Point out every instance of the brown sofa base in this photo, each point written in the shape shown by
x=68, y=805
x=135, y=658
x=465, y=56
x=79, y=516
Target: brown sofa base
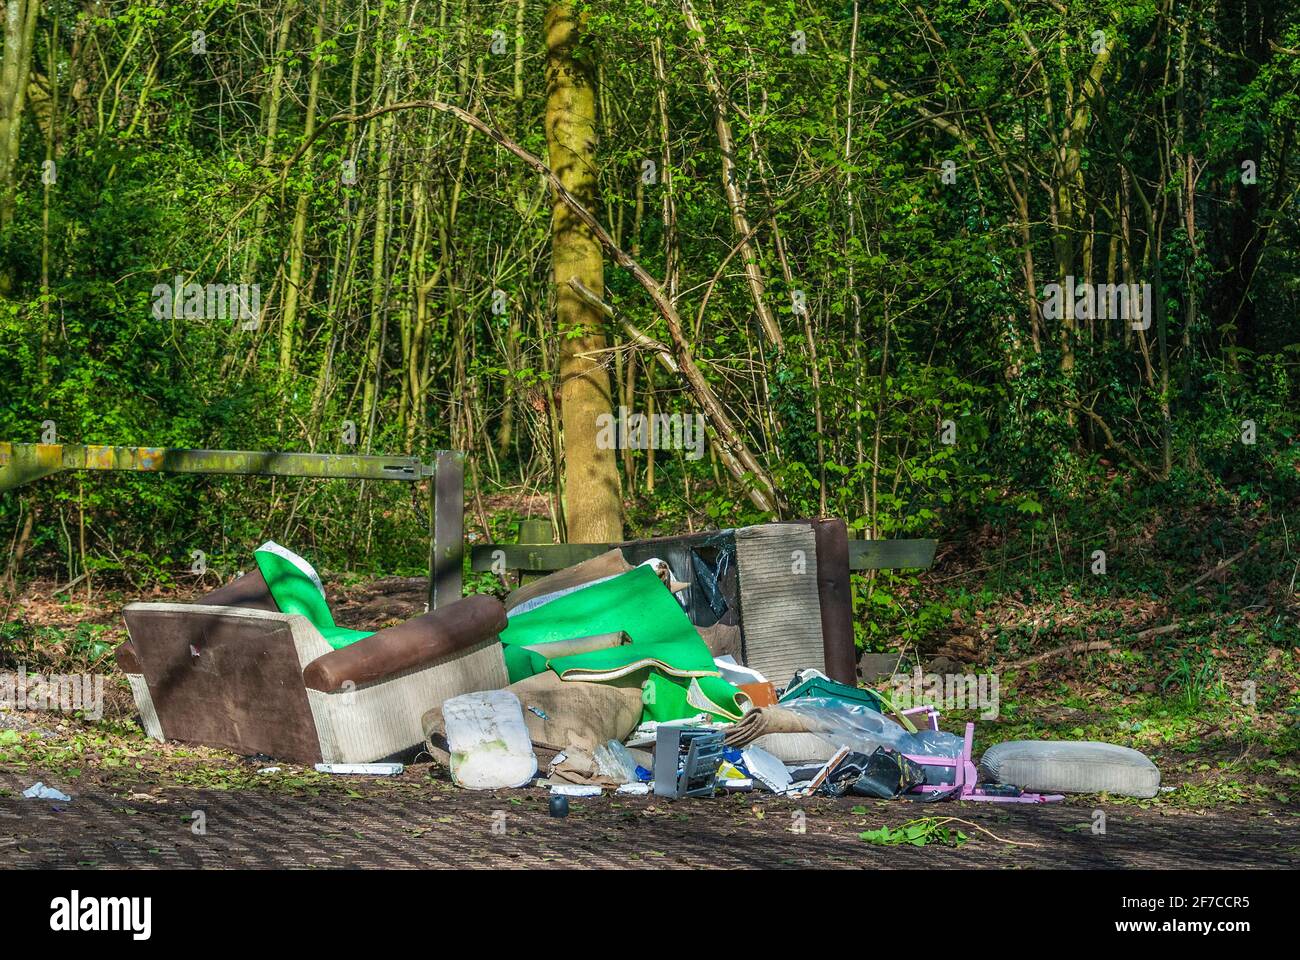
x=224, y=680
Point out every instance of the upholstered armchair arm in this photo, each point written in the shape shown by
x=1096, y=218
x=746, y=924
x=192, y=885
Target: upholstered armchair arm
x=416, y=643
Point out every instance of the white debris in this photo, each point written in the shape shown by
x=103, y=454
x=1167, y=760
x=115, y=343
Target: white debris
x=766, y=769
x=39, y=791
x=355, y=769
x=736, y=674
x=489, y=743
x=575, y=790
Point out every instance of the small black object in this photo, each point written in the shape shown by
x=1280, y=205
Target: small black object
x=841, y=778
x=710, y=577
x=559, y=805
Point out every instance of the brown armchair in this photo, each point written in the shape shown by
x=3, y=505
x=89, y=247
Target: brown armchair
x=234, y=671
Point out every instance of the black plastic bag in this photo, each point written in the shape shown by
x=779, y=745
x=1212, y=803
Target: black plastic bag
x=885, y=774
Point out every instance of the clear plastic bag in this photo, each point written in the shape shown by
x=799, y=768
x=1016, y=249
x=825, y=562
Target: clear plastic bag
x=934, y=743
x=862, y=729
x=615, y=761
x=848, y=724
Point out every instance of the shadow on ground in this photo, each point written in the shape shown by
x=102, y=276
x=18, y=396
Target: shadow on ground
x=444, y=827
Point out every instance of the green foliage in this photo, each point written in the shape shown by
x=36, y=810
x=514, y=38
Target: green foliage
x=916, y=833
x=916, y=328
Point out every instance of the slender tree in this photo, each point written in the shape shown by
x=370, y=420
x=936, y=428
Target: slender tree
x=593, y=504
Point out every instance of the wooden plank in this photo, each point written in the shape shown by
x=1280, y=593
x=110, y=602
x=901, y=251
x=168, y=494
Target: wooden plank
x=891, y=554
x=534, y=557
x=547, y=558
x=533, y=530
x=23, y=462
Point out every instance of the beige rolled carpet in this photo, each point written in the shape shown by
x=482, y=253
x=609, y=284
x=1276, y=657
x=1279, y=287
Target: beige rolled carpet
x=797, y=747
x=569, y=648
x=763, y=721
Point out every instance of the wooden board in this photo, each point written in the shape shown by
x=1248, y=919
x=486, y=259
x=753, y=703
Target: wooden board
x=533, y=558
x=549, y=557
x=891, y=554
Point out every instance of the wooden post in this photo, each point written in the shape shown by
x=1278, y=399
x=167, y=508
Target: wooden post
x=446, y=529
x=533, y=530
x=853, y=587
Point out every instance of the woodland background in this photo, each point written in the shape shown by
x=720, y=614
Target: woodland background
x=776, y=168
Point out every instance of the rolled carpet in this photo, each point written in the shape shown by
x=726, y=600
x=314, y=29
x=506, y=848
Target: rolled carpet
x=764, y=721
x=797, y=748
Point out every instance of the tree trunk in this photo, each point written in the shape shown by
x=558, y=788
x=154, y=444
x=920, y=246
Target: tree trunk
x=272, y=128
x=593, y=504
x=298, y=239
x=19, y=39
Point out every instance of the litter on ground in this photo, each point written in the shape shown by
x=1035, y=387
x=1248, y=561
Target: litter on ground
x=649, y=669
x=39, y=791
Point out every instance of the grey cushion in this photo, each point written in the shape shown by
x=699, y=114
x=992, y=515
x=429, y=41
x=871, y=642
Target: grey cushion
x=1056, y=766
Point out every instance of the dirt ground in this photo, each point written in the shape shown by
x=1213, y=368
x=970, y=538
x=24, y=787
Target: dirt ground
x=422, y=821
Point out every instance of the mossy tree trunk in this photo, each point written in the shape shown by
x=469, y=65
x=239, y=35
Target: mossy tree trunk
x=593, y=504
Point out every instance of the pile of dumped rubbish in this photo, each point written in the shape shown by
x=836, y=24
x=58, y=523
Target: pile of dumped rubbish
x=614, y=689
x=683, y=667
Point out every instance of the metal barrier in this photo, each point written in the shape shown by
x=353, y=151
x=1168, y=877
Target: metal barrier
x=21, y=463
